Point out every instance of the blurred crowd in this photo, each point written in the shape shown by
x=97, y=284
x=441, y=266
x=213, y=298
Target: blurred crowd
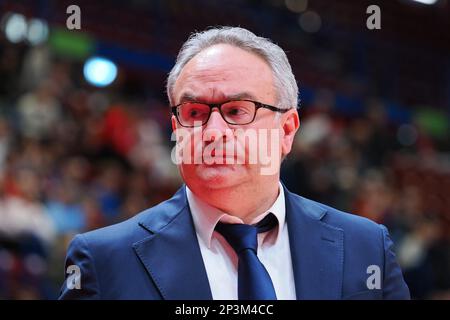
x=75, y=158
x=72, y=159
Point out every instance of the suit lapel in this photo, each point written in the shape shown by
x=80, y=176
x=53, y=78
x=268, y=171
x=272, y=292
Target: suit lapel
x=317, y=250
x=171, y=254
x=172, y=257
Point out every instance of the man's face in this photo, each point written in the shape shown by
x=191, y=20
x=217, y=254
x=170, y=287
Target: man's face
x=215, y=75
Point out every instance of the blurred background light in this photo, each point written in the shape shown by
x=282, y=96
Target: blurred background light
x=310, y=22
x=37, y=31
x=100, y=72
x=296, y=5
x=76, y=45
x=15, y=27
x=428, y=2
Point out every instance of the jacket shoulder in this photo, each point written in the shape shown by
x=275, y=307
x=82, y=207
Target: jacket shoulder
x=139, y=226
x=346, y=221
x=358, y=231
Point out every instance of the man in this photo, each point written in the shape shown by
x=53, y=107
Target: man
x=234, y=231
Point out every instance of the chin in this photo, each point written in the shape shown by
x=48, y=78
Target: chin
x=219, y=176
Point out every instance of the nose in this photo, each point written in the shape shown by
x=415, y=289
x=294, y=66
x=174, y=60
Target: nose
x=216, y=127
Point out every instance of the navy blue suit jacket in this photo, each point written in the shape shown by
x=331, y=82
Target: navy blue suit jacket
x=156, y=255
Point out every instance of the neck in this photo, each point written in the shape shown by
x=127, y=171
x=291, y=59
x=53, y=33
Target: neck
x=244, y=201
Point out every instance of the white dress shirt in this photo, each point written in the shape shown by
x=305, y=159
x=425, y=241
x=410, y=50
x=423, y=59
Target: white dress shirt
x=221, y=260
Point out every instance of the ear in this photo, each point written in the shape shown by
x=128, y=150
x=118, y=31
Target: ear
x=174, y=122
x=290, y=123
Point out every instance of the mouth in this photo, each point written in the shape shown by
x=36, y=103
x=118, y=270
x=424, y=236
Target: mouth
x=218, y=156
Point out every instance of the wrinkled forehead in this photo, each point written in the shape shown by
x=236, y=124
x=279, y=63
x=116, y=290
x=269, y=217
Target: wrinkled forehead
x=223, y=72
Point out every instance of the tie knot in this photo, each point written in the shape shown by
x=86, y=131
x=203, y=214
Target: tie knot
x=244, y=236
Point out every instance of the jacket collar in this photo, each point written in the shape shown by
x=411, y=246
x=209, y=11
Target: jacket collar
x=317, y=249
x=172, y=256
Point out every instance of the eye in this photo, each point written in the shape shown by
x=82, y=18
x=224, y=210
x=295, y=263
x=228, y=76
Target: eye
x=239, y=109
x=236, y=111
x=194, y=111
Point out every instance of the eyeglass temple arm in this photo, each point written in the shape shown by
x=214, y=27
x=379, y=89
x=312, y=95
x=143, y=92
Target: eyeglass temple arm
x=275, y=109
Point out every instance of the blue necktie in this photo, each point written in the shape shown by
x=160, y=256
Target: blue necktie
x=254, y=282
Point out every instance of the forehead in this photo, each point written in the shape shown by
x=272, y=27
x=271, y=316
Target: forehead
x=223, y=71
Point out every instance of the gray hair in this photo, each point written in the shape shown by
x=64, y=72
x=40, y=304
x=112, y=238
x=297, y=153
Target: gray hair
x=284, y=80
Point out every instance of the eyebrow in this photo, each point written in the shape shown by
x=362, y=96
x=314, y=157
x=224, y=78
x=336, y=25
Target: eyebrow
x=189, y=96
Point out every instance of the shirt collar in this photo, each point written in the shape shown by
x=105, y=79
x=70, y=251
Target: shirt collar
x=206, y=216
